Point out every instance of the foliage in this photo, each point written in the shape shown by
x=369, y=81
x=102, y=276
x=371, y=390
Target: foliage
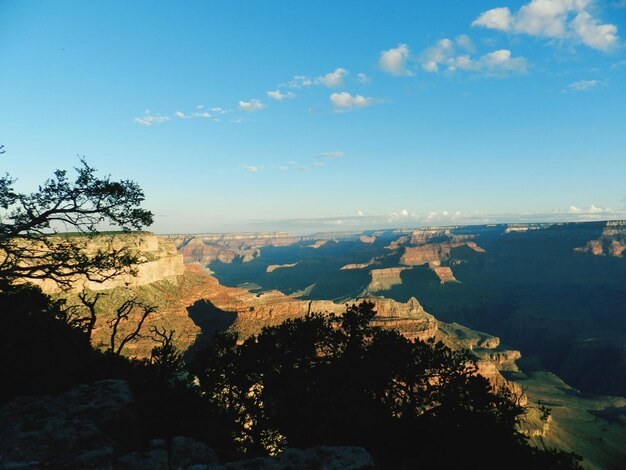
x=333, y=380
x=27, y=222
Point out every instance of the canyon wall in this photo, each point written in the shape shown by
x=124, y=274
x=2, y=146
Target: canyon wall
x=158, y=258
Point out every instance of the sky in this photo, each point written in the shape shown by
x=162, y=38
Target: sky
x=324, y=116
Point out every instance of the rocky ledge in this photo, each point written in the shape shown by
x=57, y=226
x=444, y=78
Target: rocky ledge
x=93, y=426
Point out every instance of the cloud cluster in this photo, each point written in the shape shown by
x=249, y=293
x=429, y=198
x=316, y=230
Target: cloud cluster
x=394, y=60
x=589, y=210
x=251, y=106
x=148, y=119
x=452, y=55
x=364, y=79
x=198, y=114
x=332, y=79
x=279, y=96
x=404, y=219
x=583, y=85
x=344, y=101
x=332, y=155
x=250, y=168
x=555, y=19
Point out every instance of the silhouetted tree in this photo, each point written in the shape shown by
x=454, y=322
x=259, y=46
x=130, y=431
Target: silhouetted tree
x=165, y=357
x=31, y=246
x=338, y=380
x=118, y=340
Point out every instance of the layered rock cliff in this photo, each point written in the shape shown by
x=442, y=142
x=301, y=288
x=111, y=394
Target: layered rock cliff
x=433, y=252
x=612, y=241
x=384, y=279
x=158, y=260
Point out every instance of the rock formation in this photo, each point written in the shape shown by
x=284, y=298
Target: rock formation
x=384, y=279
x=206, y=248
x=612, y=241
x=159, y=260
x=433, y=252
x=274, y=267
x=444, y=273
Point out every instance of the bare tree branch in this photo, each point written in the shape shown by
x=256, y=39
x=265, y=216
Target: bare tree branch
x=31, y=246
x=122, y=313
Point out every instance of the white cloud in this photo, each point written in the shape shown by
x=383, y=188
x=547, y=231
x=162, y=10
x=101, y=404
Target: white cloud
x=465, y=43
x=394, y=60
x=583, y=85
x=555, y=19
x=278, y=96
x=444, y=55
x=501, y=61
x=404, y=213
x=201, y=114
x=333, y=154
x=250, y=168
x=298, y=81
x=364, y=79
x=594, y=34
x=360, y=213
x=252, y=105
x=441, y=53
x=148, y=119
x=219, y=110
x=496, y=18
x=588, y=210
x=333, y=79
x=344, y=101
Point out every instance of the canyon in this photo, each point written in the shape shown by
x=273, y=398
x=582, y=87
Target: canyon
x=243, y=282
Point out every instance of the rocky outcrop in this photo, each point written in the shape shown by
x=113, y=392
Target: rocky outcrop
x=612, y=241
x=384, y=279
x=367, y=239
x=433, y=252
x=396, y=244
x=158, y=258
x=274, y=267
x=357, y=265
x=206, y=248
x=423, y=236
x=444, y=273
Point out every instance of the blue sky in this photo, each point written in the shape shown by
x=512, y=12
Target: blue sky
x=324, y=115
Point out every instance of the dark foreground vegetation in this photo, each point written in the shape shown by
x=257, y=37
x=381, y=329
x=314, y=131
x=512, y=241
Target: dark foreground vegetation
x=316, y=380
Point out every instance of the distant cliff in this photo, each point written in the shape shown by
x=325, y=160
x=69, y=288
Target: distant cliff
x=158, y=257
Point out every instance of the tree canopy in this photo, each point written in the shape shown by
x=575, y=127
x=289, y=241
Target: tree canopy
x=338, y=380
x=31, y=246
